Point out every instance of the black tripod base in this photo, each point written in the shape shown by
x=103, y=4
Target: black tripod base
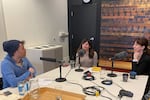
x=112, y=75
x=60, y=79
x=79, y=70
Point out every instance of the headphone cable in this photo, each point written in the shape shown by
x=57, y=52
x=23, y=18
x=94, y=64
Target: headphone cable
x=75, y=84
x=106, y=91
x=68, y=73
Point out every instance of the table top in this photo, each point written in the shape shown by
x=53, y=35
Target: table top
x=75, y=82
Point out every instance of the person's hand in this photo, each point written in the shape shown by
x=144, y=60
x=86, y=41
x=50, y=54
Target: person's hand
x=137, y=56
x=29, y=77
x=31, y=70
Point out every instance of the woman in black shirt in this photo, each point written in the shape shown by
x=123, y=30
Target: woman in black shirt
x=141, y=60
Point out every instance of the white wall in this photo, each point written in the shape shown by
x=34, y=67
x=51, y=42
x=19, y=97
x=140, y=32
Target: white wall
x=2, y=30
x=36, y=21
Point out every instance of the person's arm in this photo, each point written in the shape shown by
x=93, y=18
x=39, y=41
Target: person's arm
x=142, y=66
x=134, y=65
x=9, y=74
x=95, y=59
x=135, y=62
x=31, y=68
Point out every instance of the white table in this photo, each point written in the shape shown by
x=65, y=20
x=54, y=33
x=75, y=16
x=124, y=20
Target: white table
x=137, y=86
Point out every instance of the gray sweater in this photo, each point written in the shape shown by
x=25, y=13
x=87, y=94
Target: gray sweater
x=85, y=61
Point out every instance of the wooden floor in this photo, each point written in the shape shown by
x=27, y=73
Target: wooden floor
x=120, y=65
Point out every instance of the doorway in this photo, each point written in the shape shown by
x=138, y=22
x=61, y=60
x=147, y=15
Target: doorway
x=84, y=22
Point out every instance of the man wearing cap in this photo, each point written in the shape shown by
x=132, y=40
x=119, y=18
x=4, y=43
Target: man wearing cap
x=15, y=67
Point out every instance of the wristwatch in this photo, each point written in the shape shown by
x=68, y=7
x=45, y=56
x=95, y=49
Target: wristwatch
x=134, y=60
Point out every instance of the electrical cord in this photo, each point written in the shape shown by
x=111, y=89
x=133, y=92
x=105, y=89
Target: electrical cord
x=95, y=91
x=106, y=97
x=105, y=90
x=110, y=93
x=68, y=73
x=123, y=92
x=118, y=85
x=75, y=84
x=97, y=85
x=92, y=90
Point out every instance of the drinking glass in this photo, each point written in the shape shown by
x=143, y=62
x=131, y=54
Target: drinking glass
x=34, y=89
x=72, y=63
x=21, y=88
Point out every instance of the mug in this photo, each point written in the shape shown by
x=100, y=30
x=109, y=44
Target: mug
x=125, y=77
x=133, y=75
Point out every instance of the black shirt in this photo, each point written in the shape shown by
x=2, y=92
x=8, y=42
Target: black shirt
x=142, y=67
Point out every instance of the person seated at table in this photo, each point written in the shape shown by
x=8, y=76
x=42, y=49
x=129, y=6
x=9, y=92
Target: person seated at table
x=89, y=57
x=141, y=59
x=15, y=67
x=147, y=36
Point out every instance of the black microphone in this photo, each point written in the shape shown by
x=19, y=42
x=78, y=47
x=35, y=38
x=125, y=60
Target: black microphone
x=81, y=52
x=125, y=93
x=120, y=55
x=52, y=60
x=60, y=79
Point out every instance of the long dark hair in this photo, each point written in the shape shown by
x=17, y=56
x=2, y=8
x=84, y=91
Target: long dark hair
x=91, y=50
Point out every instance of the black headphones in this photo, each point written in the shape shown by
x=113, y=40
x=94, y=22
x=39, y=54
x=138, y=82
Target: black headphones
x=107, y=82
x=88, y=76
x=92, y=90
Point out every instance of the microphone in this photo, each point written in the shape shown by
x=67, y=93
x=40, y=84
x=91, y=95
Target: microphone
x=81, y=53
x=52, y=60
x=125, y=93
x=60, y=79
x=120, y=55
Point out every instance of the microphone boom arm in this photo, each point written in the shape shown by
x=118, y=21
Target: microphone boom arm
x=60, y=79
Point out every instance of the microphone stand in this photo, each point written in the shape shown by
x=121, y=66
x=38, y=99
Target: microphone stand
x=60, y=79
x=79, y=69
x=112, y=74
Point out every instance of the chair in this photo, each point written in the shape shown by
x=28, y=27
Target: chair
x=1, y=81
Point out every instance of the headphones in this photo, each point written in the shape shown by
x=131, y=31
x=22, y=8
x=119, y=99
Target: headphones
x=107, y=82
x=88, y=76
x=92, y=90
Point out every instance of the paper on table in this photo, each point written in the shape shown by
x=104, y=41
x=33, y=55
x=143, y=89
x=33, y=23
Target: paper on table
x=44, y=81
x=10, y=97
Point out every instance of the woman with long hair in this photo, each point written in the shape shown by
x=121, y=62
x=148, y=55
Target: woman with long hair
x=89, y=57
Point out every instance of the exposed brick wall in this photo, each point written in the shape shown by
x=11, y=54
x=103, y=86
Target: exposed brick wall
x=121, y=22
